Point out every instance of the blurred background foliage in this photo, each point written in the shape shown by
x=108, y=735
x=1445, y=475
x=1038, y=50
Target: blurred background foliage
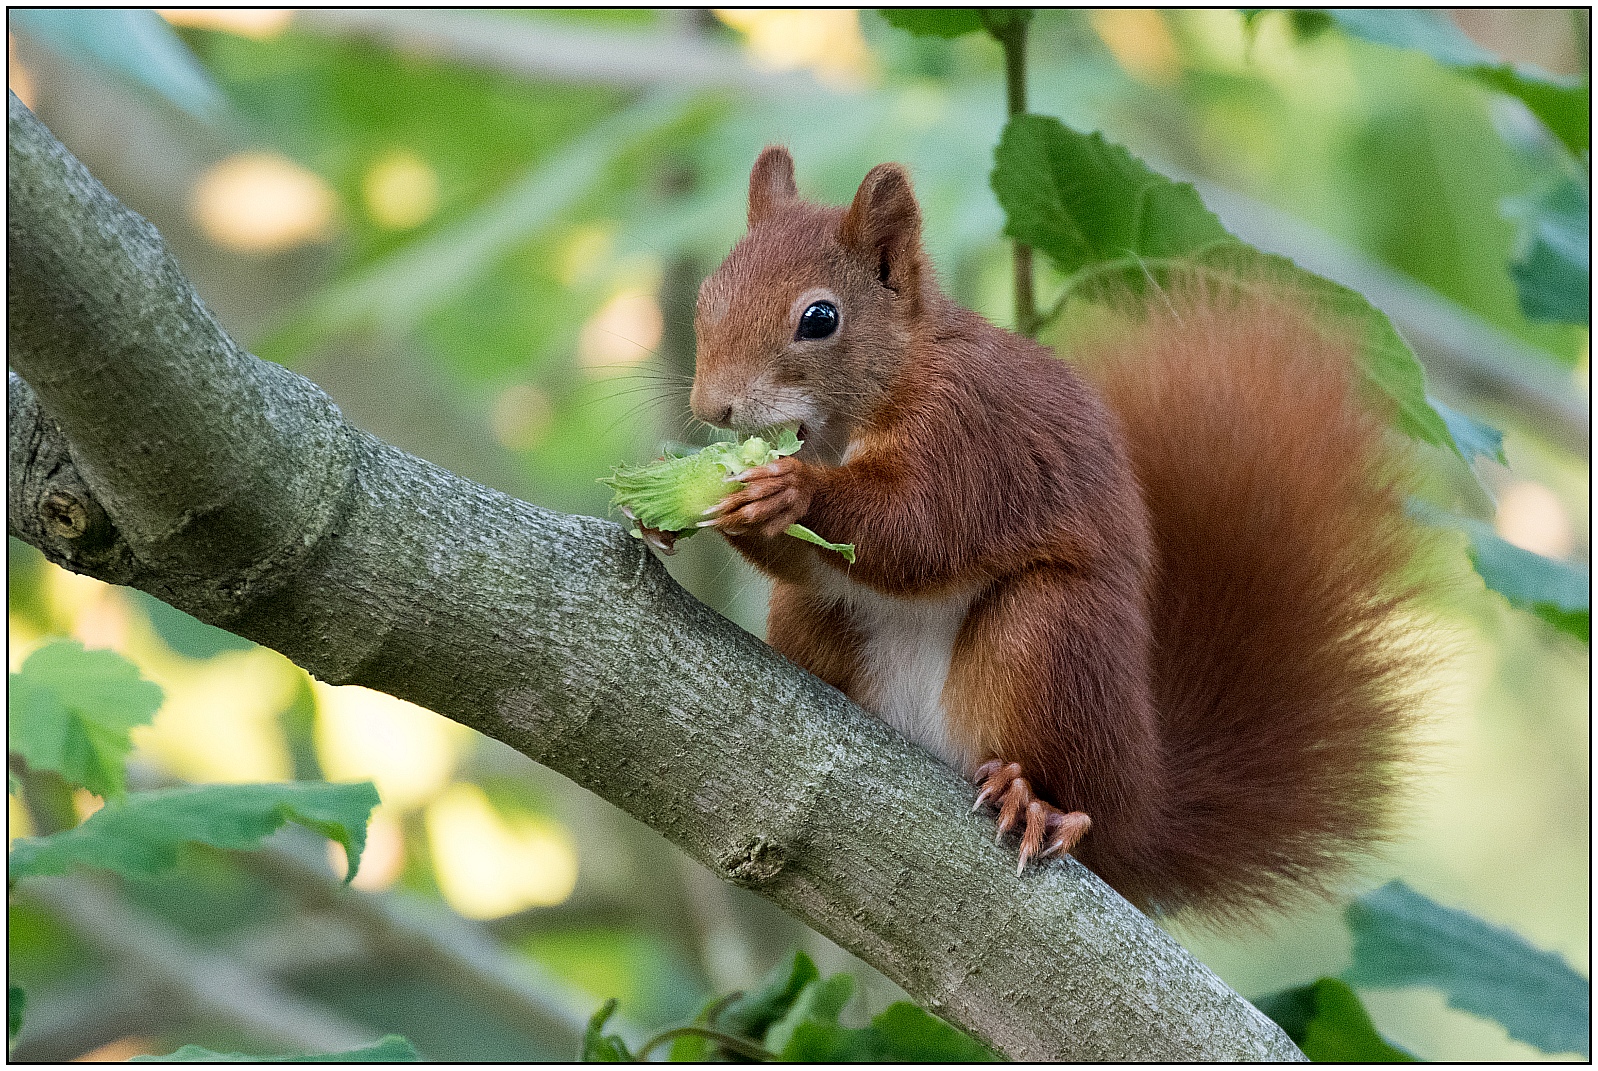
x=482, y=234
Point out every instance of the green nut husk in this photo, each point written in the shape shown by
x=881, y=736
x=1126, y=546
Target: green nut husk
x=672, y=494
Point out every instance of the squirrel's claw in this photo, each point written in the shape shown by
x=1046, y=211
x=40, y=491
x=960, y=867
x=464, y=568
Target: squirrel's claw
x=1017, y=798
x=665, y=542
x=1032, y=838
x=1046, y=831
x=1065, y=830
x=659, y=541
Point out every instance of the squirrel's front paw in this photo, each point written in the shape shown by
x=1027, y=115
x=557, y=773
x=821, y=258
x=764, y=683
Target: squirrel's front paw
x=1045, y=829
x=773, y=497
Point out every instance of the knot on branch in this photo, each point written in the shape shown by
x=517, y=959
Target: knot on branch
x=72, y=528
x=80, y=519
x=758, y=861
x=48, y=504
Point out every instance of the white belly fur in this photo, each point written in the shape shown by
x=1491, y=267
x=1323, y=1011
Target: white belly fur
x=904, y=657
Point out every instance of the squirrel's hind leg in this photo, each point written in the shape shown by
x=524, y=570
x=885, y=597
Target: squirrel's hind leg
x=1049, y=676
x=1046, y=831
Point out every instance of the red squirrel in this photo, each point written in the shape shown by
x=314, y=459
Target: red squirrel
x=1151, y=615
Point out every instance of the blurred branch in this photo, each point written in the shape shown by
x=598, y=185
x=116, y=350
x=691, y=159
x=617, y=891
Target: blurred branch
x=725, y=952
x=201, y=983
x=316, y=941
x=410, y=928
x=543, y=49
x=64, y=1022
x=234, y=490
x=400, y=290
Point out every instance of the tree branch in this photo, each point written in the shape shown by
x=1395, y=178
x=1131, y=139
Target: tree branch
x=1009, y=28
x=549, y=50
x=195, y=981
x=458, y=952
x=231, y=488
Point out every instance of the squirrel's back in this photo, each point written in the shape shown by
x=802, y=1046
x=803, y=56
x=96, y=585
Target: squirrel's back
x=1284, y=671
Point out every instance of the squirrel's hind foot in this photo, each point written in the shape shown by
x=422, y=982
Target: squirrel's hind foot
x=1046, y=831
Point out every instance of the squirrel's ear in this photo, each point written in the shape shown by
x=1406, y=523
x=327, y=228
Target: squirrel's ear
x=884, y=224
x=770, y=182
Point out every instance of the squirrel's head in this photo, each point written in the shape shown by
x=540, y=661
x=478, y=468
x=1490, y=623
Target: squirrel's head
x=809, y=317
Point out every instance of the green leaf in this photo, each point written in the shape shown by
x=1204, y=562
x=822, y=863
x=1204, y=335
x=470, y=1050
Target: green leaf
x=141, y=835
x=751, y=1014
x=810, y=1032
x=999, y=21
x=1100, y=214
x=1474, y=438
x=1577, y=623
x=1307, y=23
x=1290, y=1009
x=602, y=1048
x=799, y=531
x=1431, y=32
x=690, y=1049
x=1402, y=938
x=818, y=1002
x=134, y=44
x=1327, y=1021
x=910, y=1034
x=1560, y=103
x=1341, y=1030
x=696, y=1048
x=16, y=1004
x=71, y=711
x=814, y=1042
x=392, y=1049
x=1552, y=268
x=902, y=1033
x=1084, y=201
x=1555, y=591
x=934, y=21
x=188, y=636
x=1563, y=104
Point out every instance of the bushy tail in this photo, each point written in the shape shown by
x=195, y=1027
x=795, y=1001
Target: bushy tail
x=1285, y=659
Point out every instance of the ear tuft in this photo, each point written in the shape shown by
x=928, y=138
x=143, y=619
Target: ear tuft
x=770, y=182
x=884, y=225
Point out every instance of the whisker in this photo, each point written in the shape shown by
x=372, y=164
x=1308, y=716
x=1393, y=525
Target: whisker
x=589, y=395
x=631, y=369
x=668, y=387
x=631, y=413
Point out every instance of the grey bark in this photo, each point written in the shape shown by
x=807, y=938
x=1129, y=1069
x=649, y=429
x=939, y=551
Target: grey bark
x=146, y=448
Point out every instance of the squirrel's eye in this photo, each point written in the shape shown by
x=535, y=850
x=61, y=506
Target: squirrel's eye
x=818, y=321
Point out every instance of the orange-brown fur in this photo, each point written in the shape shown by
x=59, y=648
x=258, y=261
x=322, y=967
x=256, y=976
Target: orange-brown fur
x=1180, y=577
